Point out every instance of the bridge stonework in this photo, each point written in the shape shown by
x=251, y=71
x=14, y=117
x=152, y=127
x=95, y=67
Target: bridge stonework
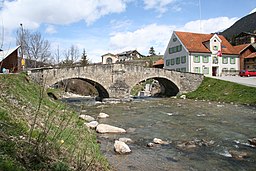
x=117, y=80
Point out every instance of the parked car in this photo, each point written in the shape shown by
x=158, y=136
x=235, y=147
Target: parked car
x=247, y=73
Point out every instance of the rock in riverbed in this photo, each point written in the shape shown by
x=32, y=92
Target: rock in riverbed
x=159, y=141
x=126, y=140
x=86, y=118
x=92, y=124
x=252, y=141
x=104, y=128
x=239, y=155
x=121, y=147
x=103, y=115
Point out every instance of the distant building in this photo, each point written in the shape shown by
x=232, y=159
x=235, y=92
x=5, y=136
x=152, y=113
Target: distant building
x=250, y=62
x=245, y=55
x=109, y=58
x=121, y=57
x=208, y=54
x=9, y=60
x=159, y=63
x=245, y=38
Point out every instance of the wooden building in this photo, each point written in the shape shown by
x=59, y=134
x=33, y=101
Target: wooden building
x=9, y=60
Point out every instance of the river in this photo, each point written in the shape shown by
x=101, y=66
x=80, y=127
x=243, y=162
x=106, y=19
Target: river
x=227, y=126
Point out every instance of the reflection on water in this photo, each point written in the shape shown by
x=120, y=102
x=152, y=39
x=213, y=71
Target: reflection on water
x=177, y=121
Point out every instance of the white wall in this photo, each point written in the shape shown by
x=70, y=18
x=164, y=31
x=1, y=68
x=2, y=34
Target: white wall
x=174, y=41
x=105, y=57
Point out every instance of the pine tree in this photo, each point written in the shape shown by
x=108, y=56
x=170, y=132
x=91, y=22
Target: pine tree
x=152, y=51
x=84, y=60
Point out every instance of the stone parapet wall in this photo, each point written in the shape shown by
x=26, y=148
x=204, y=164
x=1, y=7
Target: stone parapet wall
x=117, y=80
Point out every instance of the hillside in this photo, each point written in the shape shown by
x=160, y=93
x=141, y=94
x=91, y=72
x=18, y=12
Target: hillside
x=38, y=133
x=224, y=91
x=245, y=24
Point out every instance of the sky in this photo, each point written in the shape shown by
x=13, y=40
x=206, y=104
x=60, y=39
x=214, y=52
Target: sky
x=114, y=26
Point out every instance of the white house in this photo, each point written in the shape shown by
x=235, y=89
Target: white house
x=208, y=54
x=121, y=57
x=109, y=58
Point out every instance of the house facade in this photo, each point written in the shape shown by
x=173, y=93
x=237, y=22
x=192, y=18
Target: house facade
x=9, y=60
x=121, y=57
x=109, y=58
x=245, y=38
x=250, y=62
x=208, y=54
x=245, y=51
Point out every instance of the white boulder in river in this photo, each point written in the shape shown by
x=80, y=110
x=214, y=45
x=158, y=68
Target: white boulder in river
x=86, y=118
x=103, y=115
x=121, y=147
x=92, y=124
x=104, y=128
x=159, y=141
x=126, y=140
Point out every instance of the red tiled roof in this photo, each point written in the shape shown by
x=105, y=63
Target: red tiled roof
x=239, y=48
x=252, y=55
x=194, y=42
x=159, y=62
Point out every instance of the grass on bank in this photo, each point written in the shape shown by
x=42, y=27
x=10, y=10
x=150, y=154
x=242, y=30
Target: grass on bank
x=224, y=91
x=38, y=133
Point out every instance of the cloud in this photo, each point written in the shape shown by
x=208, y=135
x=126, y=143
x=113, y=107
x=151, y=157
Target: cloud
x=32, y=13
x=50, y=29
x=253, y=11
x=209, y=26
x=143, y=38
x=158, y=35
x=160, y=5
x=120, y=24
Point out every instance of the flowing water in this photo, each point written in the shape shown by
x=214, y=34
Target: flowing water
x=178, y=121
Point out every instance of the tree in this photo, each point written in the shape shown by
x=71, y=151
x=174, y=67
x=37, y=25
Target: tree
x=71, y=55
x=152, y=51
x=34, y=46
x=84, y=60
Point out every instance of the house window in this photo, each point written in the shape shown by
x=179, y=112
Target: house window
x=177, y=69
x=170, y=50
x=205, y=59
x=196, y=69
x=172, y=61
x=232, y=60
x=174, y=39
x=180, y=48
x=109, y=60
x=224, y=69
x=215, y=60
x=205, y=70
x=167, y=62
x=224, y=60
x=183, y=69
x=197, y=59
x=232, y=69
x=183, y=59
x=175, y=49
x=178, y=60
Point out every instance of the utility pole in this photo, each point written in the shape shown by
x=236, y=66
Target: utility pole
x=22, y=49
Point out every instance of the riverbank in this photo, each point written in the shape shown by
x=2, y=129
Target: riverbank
x=224, y=91
x=39, y=133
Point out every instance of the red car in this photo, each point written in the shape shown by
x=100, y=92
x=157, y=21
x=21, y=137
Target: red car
x=247, y=73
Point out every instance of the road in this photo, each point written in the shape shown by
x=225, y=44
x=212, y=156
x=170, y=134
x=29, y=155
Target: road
x=248, y=81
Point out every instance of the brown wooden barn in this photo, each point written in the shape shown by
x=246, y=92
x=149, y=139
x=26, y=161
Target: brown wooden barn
x=9, y=60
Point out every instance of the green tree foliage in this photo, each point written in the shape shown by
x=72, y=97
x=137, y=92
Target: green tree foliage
x=152, y=51
x=84, y=60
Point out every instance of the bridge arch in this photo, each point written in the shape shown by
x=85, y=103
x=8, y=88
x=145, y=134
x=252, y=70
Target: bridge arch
x=168, y=87
x=103, y=93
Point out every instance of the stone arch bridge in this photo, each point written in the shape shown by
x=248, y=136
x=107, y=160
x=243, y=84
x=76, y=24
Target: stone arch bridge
x=117, y=80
